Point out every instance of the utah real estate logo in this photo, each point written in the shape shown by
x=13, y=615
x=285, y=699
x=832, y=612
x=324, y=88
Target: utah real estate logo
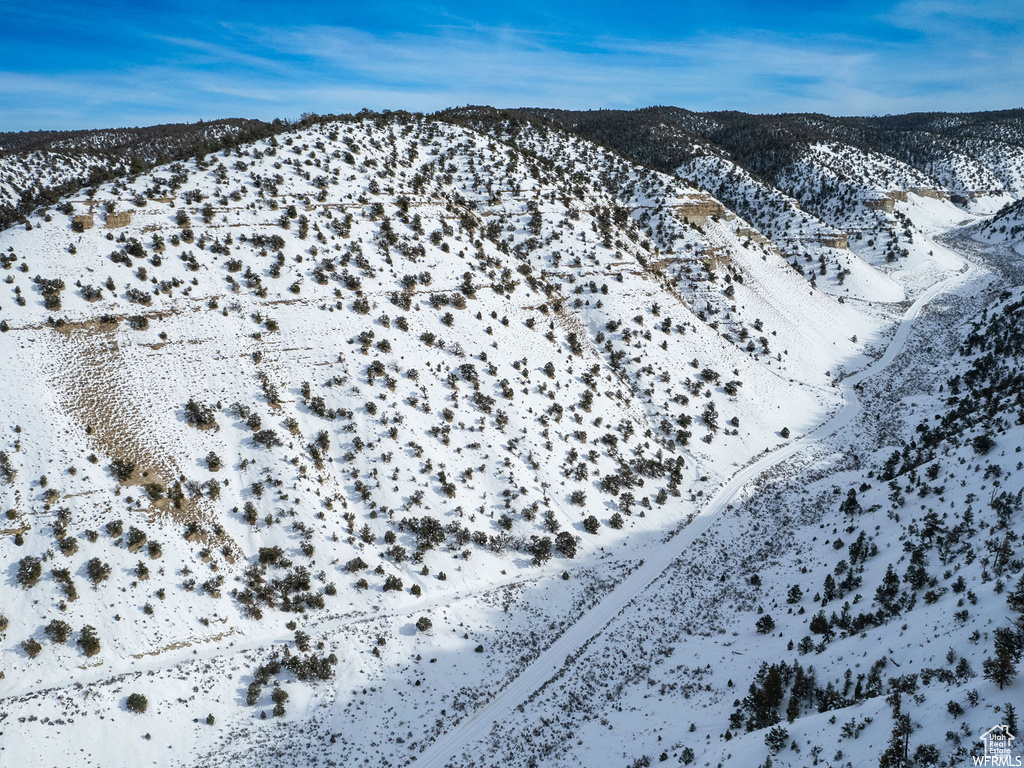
x=997, y=748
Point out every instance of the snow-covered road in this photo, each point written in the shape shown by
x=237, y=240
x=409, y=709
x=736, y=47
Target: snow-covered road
x=449, y=748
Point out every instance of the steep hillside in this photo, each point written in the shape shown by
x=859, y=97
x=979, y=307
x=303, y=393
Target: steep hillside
x=819, y=250
x=1007, y=226
x=861, y=605
x=39, y=167
x=320, y=440
x=829, y=192
x=976, y=158
x=909, y=635
x=307, y=346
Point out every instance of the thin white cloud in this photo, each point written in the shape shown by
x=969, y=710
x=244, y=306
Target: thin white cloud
x=268, y=72
x=223, y=53
x=950, y=15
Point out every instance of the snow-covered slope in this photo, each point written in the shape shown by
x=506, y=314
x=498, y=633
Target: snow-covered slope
x=1006, y=226
x=841, y=198
x=863, y=600
x=820, y=248
x=377, y=324
x=330, y=414
x=39, y=167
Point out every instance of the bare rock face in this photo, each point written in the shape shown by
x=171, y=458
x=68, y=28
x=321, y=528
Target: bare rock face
x=117, y=220
x=934, y=194
x=698, y=209
x=752, y=234
x=886, y=204
x=833, y=240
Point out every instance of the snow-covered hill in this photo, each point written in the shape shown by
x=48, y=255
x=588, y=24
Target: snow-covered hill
x=324, y=438
x=1007, y=226
x=820, y=249
x=39, y=167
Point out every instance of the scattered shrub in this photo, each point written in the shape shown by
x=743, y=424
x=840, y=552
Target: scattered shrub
x=89, y=641
x=58, y=631
x=29, y=570
x=137, y=703
x=31, y=647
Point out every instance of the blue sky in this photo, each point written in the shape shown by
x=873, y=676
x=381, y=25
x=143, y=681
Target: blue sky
x=103, y=64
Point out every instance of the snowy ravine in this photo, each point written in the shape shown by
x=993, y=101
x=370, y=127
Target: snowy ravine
x=462, y=741
x=395, y=440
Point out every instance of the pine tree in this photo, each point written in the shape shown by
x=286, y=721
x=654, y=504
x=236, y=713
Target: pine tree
x=776, y=739
x=1015, y=599
x=1001, y=667
x=887, y=592
x=895, y=755
x=830, y=590
x=58, y=631
x=792, y=710
x=136, y=703
x=89, y=641
x=850, y=505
